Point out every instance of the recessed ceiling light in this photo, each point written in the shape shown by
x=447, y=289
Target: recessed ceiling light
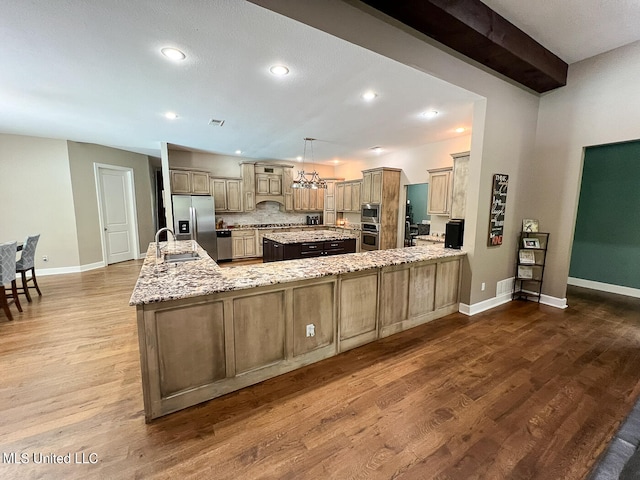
x=429, y=114
x=173, y=53
x=171, y=115
x=370, y=95
x=377, y=149
x=299, y=158
x=279, y=70
x=336, y=161
x=459, y=130
x=238, y=152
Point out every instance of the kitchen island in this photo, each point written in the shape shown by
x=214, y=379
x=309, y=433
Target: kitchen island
x=205, y=331
x=306, y=244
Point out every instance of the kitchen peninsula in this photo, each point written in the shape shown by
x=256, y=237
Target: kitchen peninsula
x=205, y=331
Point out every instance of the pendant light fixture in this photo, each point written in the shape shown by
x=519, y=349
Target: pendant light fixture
x=302, y=181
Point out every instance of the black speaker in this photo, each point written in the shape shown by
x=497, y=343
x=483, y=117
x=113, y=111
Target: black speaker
x=454, y=233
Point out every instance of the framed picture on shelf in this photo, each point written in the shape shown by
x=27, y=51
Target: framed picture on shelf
x=531, y=242
x=525, y=272
x=527, y=256
x=529, y=225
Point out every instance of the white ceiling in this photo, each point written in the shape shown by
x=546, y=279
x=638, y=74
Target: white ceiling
x=91, y=71
x=574, y=29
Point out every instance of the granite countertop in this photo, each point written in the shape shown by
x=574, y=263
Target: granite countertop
x=308, y=236
x=160, y=281
x=429, y=238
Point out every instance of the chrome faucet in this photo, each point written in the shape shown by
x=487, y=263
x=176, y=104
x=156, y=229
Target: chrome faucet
x=165, y=229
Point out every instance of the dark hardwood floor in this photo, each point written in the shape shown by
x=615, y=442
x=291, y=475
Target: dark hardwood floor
x=521, y=391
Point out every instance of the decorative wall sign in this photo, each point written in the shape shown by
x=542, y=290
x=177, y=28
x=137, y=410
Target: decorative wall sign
x=498, y=206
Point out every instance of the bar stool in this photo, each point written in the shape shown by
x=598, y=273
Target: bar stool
x=8, y=275
x=26, y=263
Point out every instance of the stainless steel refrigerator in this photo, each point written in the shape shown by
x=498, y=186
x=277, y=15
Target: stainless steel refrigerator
x=194, y=217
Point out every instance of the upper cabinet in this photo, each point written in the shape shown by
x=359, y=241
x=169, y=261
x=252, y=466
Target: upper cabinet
x=249, y=186
x=440, y=191
x=227, y=194
x=448, y=188
x=460, y=182
x=371, y=186
x=190, y=182
x=348, y=196
x=308, y=199
x=329, y=212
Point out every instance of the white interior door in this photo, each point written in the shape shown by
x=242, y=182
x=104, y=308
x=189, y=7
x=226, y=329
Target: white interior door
x=116, y=214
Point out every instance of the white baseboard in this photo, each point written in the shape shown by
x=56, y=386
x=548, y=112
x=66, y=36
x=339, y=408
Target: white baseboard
x=43, y=272
x=484, y=305
x=604, y=287
x=505, y=298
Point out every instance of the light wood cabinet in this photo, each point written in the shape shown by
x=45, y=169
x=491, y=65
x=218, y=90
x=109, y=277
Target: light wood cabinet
x=460, y=182
x=190, y=182
x=243, y=243
x=308, y=199
x=268, y=184
x=249, y=186
x=329, y=203
x=372, y=186
x=381, y=186
x=340, y=197
x=198, y=348
x=227, y=194
x=440, y=191
x=287, y=190
x=348, y=196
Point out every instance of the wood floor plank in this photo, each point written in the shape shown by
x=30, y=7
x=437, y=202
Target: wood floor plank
x=520, y=391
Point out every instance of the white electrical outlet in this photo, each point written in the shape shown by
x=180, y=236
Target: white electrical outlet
x=483, y=286
x=311, y=330
x=45, y=258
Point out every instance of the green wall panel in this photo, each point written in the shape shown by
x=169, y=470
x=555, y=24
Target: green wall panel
x=606, y=245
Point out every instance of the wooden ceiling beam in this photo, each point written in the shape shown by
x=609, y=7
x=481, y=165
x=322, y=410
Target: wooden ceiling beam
x=474, y=30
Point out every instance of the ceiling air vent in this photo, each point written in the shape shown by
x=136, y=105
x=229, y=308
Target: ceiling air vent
x=216, y=123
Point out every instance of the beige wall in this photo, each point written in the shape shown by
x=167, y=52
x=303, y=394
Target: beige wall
x=82, y=157
x=229, y=166
x=35, y=194
x=599, y=105
x=414, y=164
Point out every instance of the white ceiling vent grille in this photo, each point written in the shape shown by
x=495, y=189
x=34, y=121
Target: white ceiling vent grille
x=216, y=123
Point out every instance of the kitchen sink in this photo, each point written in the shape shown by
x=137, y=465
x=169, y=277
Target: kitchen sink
x=181, y=257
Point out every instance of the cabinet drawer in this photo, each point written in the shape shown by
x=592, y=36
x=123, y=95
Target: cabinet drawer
x=243, y=233
x=311, y=247
x=334, y=244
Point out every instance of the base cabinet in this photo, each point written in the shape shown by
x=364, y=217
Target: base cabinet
x=196, y=349
x=243, y=243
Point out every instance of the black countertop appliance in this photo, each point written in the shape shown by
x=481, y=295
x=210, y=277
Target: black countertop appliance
x=454, y=233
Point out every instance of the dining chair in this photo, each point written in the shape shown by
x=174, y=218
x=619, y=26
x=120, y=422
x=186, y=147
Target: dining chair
x=26, y=263
x=8, y=275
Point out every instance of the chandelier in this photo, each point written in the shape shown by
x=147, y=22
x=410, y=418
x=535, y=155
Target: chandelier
x=314, y=181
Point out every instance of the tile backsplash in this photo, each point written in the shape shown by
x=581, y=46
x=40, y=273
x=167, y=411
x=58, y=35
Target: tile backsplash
x=265, y=212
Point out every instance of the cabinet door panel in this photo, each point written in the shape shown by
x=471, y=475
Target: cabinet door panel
x=347, y=197
x=180, y=182
x=366, y=187
x=447, y=276
x=313, y=305
x=191, y=347
x=219, y=188
x=376, y=187
x=357, y=310
x=394, y=297
x=200, y=183
x=234, y=196
x=258, y=330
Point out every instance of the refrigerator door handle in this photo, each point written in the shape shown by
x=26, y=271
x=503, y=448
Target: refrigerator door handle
x=194, y=223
